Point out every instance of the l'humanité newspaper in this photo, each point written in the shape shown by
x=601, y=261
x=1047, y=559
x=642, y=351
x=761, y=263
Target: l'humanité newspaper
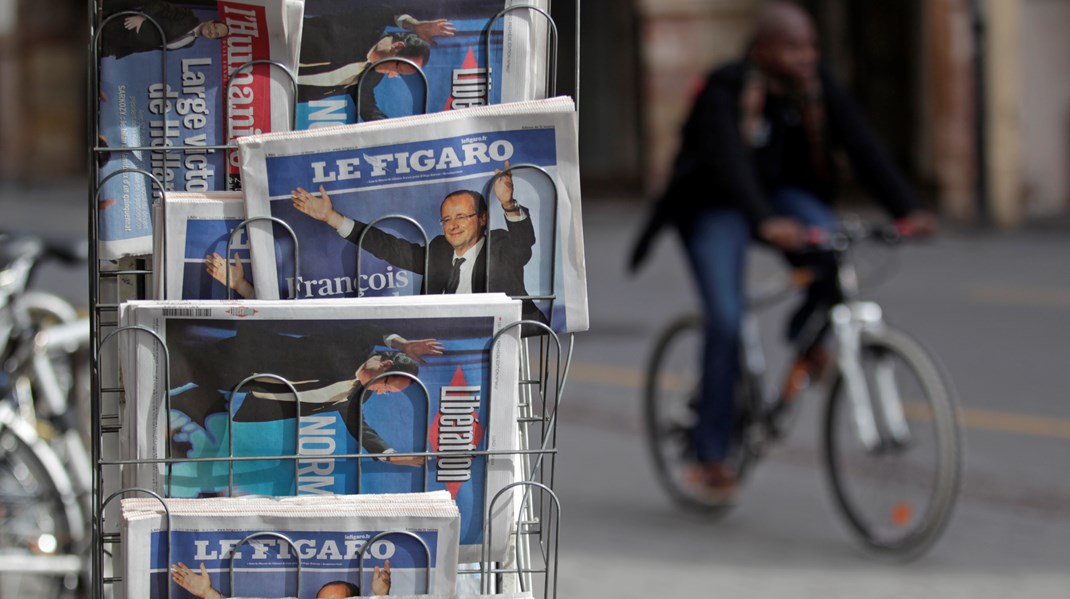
x=207, y=41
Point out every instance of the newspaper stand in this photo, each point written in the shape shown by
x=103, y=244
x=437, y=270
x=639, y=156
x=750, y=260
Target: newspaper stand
x=544, y=365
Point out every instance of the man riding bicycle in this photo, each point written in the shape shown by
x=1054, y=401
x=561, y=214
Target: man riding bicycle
x=756, y=161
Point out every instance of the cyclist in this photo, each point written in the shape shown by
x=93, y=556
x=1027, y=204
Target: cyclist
x=756, y=161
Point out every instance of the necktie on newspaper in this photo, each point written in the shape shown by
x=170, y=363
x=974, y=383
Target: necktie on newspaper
x=182, y=41
x=455, y=276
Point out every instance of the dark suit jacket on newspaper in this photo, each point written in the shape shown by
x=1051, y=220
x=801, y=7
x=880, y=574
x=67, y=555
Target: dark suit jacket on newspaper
x=118, y=41
x=256, y=408
x=510, y=250
x=309, y=362
x=333, y=41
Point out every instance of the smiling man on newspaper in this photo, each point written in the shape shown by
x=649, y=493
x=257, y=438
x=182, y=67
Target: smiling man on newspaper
x=457, y=259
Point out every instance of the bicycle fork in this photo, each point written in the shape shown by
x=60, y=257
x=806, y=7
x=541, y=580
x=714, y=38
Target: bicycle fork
x=849, y=321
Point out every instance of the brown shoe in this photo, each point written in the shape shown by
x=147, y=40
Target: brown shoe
x=715, y=481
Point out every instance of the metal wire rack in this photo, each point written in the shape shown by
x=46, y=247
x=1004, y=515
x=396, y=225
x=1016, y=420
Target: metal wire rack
x=530, y=565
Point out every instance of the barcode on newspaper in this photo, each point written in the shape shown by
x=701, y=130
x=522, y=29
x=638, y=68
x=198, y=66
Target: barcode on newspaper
x=187, y=312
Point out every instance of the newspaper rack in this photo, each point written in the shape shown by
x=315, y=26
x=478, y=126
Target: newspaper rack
x=532, y=561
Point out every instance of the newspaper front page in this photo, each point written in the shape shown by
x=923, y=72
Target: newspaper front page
x=446, y=38
x=464, y=398
x=195, y=555
x=206, y=42
x=195, y=228
x=522, y=233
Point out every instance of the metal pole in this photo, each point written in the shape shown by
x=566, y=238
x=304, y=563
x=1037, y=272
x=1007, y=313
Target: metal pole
x=984, y=206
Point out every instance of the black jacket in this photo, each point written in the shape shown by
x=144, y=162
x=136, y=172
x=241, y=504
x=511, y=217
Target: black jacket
x=117, y=41
x=509, y=249
x=329, y=42
x=310, y=362
x=714, y=166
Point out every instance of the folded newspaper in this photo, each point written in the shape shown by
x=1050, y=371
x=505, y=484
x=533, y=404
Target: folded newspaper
x=522, y=230
x=190, y=244
x=193, y=548
x=206, y=42
x=447, y=39
x=374, y=377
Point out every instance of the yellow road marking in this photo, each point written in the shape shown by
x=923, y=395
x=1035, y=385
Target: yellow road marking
x=974, y=418
x=1023, y=296
x=1011, y=422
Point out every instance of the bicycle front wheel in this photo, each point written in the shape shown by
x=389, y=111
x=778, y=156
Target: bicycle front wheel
x=897, y=491
x=35, y=533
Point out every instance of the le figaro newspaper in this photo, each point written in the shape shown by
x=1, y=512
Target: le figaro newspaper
x=254, y=547
x=380, y=378
x=496, y=185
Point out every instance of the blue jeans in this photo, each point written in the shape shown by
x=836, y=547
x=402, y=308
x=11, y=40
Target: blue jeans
x=716, y=243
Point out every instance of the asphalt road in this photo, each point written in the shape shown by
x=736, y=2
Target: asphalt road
x=994, y=307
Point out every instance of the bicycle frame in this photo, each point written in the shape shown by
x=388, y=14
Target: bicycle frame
x=850, y=319
x=33, y=394
x=847, y=320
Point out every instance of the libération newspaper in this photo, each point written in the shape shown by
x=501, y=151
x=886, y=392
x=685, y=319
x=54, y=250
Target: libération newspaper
x=373, y=377
x=344, y=187
x=206, y=42
x=403, y=545
x=447, y=39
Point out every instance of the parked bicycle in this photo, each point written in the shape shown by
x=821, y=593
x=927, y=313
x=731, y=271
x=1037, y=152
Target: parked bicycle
x=891, y=436
x=45, y=472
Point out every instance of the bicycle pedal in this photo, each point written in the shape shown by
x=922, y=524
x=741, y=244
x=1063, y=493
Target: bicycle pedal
x=778, y=420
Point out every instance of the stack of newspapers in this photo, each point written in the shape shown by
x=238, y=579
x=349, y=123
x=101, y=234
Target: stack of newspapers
x=355, y=215
x=231, y=68
x=381, y=395
x=378, y=209
x=266, y=547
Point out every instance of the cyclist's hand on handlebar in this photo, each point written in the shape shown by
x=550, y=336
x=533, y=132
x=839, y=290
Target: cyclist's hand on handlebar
x=920, y=223
x=785, y=233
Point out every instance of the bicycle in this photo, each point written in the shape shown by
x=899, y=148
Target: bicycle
x=892, y=441
x=45, y=471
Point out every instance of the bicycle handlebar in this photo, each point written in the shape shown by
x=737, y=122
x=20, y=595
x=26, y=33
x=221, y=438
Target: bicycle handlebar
x=14, y=245
x=851, y=233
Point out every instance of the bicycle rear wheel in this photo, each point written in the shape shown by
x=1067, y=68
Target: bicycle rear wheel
x=35, y=533
x=671, y=395
x=897, y=496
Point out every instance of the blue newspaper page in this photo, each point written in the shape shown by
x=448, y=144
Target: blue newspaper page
x=394, y=188
x=344, y=40
x=197, y=229
x=402, y=377
x=196, y=556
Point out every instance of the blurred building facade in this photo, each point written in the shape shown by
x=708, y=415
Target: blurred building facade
x=910, y=63
x=42, y=90
x=912, y=66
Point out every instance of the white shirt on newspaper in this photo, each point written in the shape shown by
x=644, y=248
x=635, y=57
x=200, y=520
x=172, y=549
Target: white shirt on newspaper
x=464, y=285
